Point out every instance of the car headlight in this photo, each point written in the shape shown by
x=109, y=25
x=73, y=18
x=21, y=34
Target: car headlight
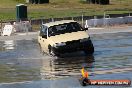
x=59, y=44
x=84, y=40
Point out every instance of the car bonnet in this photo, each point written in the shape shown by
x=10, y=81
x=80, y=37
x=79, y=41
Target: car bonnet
x=69, y=37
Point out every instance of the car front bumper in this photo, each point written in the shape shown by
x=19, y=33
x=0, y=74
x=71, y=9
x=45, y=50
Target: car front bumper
x=79, y=46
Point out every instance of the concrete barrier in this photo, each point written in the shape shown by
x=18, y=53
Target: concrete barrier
x=108, y=21
x=23, y=26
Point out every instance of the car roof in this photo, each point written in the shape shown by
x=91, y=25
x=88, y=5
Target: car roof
x=58, y=22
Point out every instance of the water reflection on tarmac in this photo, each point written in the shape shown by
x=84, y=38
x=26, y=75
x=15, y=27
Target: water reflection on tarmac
x=22, y=61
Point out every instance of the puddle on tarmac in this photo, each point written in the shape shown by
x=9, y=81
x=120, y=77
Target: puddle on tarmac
x=22, y=61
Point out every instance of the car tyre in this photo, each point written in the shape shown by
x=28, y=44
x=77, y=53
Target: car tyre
x=52, y=53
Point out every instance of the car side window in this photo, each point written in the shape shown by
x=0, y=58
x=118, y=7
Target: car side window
x=43, y=30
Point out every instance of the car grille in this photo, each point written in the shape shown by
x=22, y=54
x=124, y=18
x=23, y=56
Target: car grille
x=73, y=42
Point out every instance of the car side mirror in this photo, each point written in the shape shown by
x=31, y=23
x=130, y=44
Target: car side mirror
x=44, y=36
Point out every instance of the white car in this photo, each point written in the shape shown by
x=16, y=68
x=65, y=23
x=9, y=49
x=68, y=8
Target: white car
x=64, y=36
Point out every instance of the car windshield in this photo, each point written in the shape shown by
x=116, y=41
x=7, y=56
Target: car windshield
x=64, y=28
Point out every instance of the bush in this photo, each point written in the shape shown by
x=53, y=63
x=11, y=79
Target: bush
x=102, y=2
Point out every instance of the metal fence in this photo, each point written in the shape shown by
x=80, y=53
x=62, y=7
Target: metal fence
x=81, y=19
x=36, y=22
x=109, y=21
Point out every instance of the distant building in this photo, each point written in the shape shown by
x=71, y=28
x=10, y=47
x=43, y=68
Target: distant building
x=37, y=1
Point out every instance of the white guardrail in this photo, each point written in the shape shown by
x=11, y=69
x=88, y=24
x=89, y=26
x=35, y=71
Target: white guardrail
x=108, y=21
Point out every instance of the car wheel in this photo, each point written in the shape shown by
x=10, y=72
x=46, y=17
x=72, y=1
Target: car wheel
x=51, y=52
